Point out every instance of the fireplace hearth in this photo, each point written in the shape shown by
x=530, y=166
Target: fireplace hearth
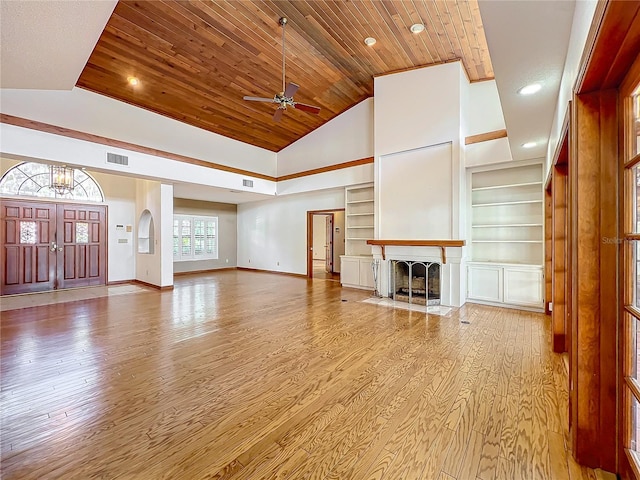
x=415, y=282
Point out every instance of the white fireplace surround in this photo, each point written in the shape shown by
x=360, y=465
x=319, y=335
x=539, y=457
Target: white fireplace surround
x=452, y=278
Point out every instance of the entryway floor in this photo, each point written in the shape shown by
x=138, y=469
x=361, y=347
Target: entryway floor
x=14, y=302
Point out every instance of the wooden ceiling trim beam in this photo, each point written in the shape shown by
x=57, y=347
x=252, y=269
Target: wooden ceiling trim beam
x=485, y=137
x=89, y=137
x=328, y=168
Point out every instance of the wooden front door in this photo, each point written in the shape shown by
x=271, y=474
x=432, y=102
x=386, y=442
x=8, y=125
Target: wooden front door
x=47, y=246
x=82, y=245
x=28, y=247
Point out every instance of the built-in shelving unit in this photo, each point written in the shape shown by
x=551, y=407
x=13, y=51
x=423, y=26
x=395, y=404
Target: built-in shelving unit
x=355, y=268
x=507, y=215
x=507, y=236
x=359, y=215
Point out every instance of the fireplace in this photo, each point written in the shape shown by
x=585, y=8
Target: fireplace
x=415, y=282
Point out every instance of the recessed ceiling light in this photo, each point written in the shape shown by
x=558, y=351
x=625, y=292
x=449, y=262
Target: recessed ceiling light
x=529, y=144
x=530, y=89
x=133, y=81
x=416, y=28
x=369, y=41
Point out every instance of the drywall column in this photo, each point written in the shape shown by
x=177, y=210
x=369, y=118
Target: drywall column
x=155, y=266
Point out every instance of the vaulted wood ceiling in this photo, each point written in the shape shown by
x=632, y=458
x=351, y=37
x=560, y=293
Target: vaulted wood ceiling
x=196, y=60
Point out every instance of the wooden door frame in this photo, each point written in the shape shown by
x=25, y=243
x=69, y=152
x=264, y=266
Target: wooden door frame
x=594, y=193
x=310, y=214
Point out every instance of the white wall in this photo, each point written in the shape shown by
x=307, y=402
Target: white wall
x=483, y=112
x=227, y=233
x=417, y=108
x=120, y=197
x=89, y=112
x=156, y=268
x=272, y=235
x=319, y=237
x=18, y=143
x=413, y=110
x=416, y=194
x=582, y=18
x=349, y=136
x=321, y=181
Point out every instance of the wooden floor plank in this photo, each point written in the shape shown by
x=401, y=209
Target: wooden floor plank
x=244, y=375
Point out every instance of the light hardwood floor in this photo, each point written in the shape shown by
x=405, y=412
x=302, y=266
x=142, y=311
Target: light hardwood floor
x=244, y=375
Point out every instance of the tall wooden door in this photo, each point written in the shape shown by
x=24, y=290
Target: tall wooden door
x=28, y=247
x=82, y=245
x=328, y=247
x=47, y=246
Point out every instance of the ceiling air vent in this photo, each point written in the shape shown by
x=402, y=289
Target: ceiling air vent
x=117, y=159
x=247, y=183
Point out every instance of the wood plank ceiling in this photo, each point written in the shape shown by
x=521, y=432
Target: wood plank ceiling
x=195, y=60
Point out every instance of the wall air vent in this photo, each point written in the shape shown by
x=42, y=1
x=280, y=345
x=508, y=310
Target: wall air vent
x=247, y=183
x=117, y=159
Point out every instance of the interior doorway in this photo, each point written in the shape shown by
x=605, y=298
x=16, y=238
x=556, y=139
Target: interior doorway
x=325, y=243
x=50, y=246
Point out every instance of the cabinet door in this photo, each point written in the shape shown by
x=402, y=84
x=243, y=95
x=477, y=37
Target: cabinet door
x=523, y=286
x=349, y=271
x=366, y=273
x=485, y=283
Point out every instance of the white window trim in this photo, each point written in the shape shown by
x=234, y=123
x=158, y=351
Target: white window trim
x=179, y=257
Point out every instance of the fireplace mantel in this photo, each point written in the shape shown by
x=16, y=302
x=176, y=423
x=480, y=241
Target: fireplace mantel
x=443, y=244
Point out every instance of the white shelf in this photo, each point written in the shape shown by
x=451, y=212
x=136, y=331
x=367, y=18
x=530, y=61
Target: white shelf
x=507, y=215
x=359, y=212
x=503, y=225
x=513, y=185
x=506, y=241
x=517, y=202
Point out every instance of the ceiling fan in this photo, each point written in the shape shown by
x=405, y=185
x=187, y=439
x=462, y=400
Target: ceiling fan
x=284, y=99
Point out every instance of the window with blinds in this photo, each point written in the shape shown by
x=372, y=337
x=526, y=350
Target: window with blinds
x=195, y=238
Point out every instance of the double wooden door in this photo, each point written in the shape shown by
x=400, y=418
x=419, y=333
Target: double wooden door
x=49, y=246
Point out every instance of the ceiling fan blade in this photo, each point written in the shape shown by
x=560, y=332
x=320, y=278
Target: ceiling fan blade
x=278, y=115
x=306, y=108
x=291, y=89
x=260, y=99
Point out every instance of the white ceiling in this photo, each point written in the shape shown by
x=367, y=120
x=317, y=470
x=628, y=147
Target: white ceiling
x=528, y=42
x=45, y=45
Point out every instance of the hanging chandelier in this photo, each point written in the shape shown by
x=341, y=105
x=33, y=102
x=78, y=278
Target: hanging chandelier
x=61, y=178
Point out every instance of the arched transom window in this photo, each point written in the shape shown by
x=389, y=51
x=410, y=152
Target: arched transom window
x=33, y=179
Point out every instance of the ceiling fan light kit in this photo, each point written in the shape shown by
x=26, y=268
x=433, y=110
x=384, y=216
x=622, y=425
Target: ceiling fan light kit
x=284, y=98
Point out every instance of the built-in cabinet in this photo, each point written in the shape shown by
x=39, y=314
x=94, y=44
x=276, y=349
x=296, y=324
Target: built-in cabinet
x=507, y=236
x=355, y=264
